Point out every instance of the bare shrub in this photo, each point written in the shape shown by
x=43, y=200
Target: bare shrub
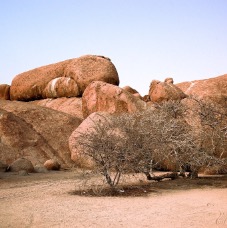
x=137, y=143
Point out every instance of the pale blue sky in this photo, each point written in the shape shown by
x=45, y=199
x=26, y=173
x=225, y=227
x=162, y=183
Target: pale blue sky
x=145, y=39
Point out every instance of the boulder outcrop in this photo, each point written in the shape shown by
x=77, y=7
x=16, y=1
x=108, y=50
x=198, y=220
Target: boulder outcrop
x=103, y=97
x=64, y=79
x=164, y=91
x=4, y=92
x=213, y=89
x=35, y=133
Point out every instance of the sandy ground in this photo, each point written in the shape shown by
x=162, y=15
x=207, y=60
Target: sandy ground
x=44, y=200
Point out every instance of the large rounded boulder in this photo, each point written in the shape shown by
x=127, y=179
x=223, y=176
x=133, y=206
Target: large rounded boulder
x=64, y=79
x=89, y=68
x=104, y=97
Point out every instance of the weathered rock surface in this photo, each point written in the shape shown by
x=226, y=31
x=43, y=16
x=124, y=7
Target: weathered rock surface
x=35, y=133
x=130, y=89
x=48, y=81
x=89, y=68
x=88, y=125
x=4, y=92
x=22, y=164
x=72, y=106
x=61, y=87
x=52, y=164
x=214, y=138
x=214, y=89
x=164, y=91
x=103, y=97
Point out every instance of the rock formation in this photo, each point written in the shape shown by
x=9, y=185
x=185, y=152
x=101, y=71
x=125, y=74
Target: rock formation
x=64, y=79
x=35, y=133
x=89, y=68
x=104, y=97
x=22, y=164
x=213, y=89
x=164, y=91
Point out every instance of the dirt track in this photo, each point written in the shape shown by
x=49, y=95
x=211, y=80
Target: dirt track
x=43, y=200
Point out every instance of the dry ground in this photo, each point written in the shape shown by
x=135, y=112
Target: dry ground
x=48, y=200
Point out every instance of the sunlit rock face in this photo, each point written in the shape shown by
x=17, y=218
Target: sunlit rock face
x=64, y=79
x=165, y=91
x=72, y=105
x=104, y=97
x=213, y=89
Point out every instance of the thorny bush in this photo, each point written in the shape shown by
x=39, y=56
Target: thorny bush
x=137, y=143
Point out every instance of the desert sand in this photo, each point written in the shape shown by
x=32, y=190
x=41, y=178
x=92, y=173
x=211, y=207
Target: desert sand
x=46, y=200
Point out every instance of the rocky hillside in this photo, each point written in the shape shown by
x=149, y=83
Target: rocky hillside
x=43, y=107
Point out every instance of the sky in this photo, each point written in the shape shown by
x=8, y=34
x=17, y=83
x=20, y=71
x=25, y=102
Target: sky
x=145, y=39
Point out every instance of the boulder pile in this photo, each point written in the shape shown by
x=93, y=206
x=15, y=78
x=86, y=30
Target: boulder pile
x=45, y=109
x=64, y=79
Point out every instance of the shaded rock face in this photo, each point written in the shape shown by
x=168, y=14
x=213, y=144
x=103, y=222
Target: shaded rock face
x=3, y=167
x=22, y=164
x=4, y=92
x=214, y=89
x=164, y=91
x=35, y=133
x=72, y=106
x=104, y=97
x=64, y=79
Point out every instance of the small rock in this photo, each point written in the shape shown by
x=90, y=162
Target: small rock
x=40, y=169
x=22, y=164
x=52, y=165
